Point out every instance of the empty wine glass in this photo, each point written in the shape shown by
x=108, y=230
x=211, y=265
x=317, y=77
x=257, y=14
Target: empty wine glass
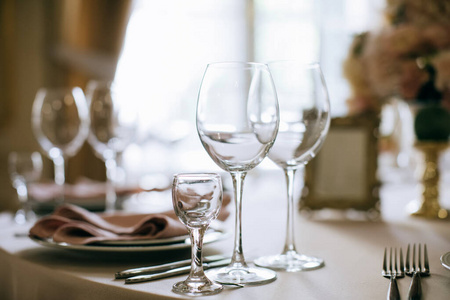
x=304, y=123
x=24, y=168
x=237, y=122
x=113, y=124
x=60, y=124
x=197, y=199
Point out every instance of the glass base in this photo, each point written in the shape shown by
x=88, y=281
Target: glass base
x=242, y=275
x=197, y=288
x=290, y=262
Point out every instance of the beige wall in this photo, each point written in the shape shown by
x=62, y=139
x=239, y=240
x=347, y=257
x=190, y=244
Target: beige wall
x=29, y=71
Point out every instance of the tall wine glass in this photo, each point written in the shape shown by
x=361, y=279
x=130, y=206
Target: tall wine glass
x=113, y=125
x=197, y=199
x=24, y=168
x=60, y=124
x=304, y=123
x=237, y=122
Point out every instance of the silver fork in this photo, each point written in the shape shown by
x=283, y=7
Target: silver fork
x=393, y=272
x=415, y=289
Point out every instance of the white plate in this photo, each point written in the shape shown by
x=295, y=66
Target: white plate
x=126, y=246
x=210, y=235
x=445, y=260
x=166, y=241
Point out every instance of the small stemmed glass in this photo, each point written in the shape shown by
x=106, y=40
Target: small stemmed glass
x=24, y=168
x=237, y=122
x=60, y=124
x=113, y=124
x=304, y=123
x=197, y=199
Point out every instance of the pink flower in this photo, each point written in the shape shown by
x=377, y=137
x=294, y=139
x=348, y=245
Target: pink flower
x=386, y=61
x=437, y=36
x=405, y=40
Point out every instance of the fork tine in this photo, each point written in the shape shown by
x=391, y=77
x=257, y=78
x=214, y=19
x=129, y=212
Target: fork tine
x=393, y=292
x=395, y=262
x=390, y=260
x=402, y=268
x=419, y=266
x=425, y=258
x=407, y=259
x=414, y=257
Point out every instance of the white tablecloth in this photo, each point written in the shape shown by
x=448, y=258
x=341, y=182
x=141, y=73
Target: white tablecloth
x=352, y=251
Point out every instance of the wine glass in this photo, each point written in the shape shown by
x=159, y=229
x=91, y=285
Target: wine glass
x=304, y=123
x=237, y=122
x=113, y=125
x=197, y=199
x=24, y=168
x=60, y=124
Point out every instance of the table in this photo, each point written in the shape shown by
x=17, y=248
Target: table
x=352, y=250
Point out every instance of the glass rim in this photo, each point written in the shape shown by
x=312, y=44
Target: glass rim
x=197, y=174
x=234, y=64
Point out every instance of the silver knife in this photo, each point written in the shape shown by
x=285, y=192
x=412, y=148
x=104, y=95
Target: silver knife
x=175, y=272
x=164, y=267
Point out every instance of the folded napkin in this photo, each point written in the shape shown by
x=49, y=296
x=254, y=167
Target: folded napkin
x=75, y=225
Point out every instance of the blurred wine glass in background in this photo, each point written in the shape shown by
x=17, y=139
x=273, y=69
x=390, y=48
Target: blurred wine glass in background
x=24, y=168
x=60, y=124
x=113, y=125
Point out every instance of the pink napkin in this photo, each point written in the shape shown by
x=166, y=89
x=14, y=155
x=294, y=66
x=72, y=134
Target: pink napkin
x=75, y=225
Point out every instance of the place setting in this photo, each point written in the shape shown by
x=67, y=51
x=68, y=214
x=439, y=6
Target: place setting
x=246, y=112
x=233, y=150
x=73, y=228
x=249, y=121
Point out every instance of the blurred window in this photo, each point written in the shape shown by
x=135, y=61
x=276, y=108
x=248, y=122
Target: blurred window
x=169, y=43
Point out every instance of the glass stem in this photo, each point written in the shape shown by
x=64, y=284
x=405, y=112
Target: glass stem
x=238, y=259
x=289, y=246
x=22, y=192
x=25, y=213
x=111, y=197
x=27, y=207
x=60, y=176
x=196, y=234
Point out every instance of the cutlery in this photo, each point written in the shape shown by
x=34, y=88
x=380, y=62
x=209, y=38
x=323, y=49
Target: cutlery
x=175, y=271
x=415, y=289
x=393, y=273
x=164, y=267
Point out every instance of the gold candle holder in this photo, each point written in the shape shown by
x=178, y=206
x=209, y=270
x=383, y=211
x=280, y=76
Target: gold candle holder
x=428, y=206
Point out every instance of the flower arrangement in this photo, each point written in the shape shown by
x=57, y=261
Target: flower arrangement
x=408, y=58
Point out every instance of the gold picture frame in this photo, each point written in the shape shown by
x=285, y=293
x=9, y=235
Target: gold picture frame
x=343, y=175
